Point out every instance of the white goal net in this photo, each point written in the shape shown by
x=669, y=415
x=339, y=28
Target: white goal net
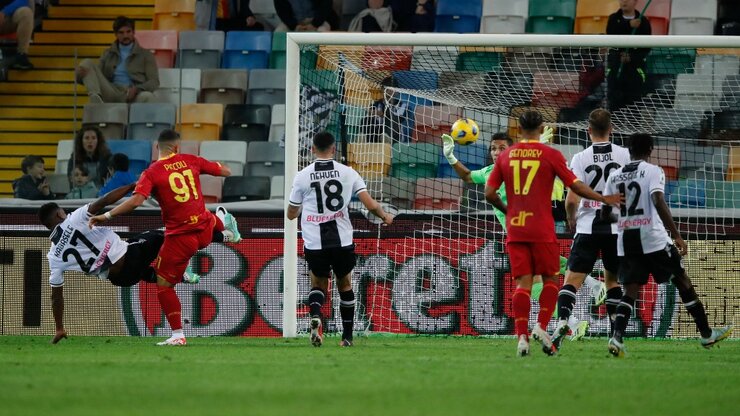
x=442, y=268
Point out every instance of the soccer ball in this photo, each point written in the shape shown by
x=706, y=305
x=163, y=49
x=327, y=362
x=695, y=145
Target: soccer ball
x=465, y=131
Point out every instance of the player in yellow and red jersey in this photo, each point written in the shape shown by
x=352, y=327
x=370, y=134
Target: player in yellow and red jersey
x=528, y=170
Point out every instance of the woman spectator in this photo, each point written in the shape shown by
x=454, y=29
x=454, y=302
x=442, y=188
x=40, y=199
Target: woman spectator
x=90, y=150
x=378, y=17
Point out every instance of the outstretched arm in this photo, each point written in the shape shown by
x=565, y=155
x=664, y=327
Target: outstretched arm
x=57, y=307
x=585, y=191
x=110, y=198
x=373, y=206
x=448, y=149
x=131, y=204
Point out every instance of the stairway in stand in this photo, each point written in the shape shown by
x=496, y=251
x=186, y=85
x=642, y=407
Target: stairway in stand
x=38, y=108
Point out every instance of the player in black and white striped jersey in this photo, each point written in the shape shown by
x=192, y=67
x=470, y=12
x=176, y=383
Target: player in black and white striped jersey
x=594, y=236
x=644, y=246
x=321, y=194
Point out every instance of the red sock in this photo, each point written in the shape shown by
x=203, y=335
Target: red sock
x=170, y=304
x=521, y=303
x=548, y=301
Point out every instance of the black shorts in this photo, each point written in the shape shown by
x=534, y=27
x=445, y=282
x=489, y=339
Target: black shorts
x=341, y=259
x=141, y=252
x=586, y=248
x=663, y=265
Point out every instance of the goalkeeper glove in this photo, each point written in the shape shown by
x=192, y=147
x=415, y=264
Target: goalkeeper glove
x=546, y=136
x=448, y=147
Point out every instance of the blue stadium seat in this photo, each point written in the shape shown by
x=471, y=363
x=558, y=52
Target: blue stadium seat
x=416, y=80
x=688, y=193
x=458, y=16
x=247, y=50
x=139, y=153
x=473, y=156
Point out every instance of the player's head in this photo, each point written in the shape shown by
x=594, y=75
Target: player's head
x=499, y=142
x=51, y=214
x=323, y=144
x=640, y=145
x=599, y=124
x=531, y=124
x=168, y=141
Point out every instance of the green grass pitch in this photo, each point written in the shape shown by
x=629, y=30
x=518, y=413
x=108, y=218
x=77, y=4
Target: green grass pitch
x=379, y=376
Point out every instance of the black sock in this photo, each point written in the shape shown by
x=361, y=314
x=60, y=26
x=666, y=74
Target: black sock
x=315, y=301
x=150, y=275
x=217, y=236
x=696, y=309
x=347, y=310
x=613, y=297
x=623, y=313
x=566, y=300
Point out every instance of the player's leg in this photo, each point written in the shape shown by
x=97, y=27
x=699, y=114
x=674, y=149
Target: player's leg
x=611, y=279
x=634, y=272
x=226, y=226
x=343, y=264
x=521, y=301
x=170, y=265
x=319, y=269
x=547, y=264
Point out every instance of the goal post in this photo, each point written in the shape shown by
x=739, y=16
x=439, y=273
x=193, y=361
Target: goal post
x=442, y=268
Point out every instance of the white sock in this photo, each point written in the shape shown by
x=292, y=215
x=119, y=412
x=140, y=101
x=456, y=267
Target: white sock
x=228, y=236
x=591, y=282
x=572, y=322
x=178, y=334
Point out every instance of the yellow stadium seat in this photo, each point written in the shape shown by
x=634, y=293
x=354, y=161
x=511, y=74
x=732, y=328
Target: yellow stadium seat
x=592, y=15
x=176, y=15
x=201, y=121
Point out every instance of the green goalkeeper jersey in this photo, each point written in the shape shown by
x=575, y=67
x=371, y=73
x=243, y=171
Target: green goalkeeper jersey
x=480, y=176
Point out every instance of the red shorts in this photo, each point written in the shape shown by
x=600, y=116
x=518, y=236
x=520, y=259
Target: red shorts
x=533, y=258
x=178, y=249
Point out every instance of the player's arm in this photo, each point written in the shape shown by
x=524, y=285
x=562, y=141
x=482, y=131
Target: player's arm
x=585, y=191
x=126, y=207
x=665, y=215
x=448, y=149
x=57, y=307
x=495, y=179
x=373, y=206
x=110, y=198
x=571, y=208
x=293, y=211
x=494, y=198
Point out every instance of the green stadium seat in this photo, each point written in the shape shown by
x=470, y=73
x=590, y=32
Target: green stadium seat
x=277, y=56
x=479, y=59
x=671, y=61
x=555, y=17
x=723, y=194
x=414, y=161
x=322, y=79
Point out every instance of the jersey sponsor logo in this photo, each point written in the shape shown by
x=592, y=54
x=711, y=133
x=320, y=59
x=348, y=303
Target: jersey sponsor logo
x=326, y=174
x=634, y=222
x=103, y=255
x=525, y=153
x=324, y=218
x=180, y=164
x=587, y=203
x=521, y=219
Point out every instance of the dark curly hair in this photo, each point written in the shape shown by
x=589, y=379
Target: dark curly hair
x=101, y=150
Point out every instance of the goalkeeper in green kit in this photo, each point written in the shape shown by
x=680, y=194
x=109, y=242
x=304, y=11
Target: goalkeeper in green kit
x=499, y=143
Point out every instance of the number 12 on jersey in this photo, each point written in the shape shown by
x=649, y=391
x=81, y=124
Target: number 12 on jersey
x=531, y=166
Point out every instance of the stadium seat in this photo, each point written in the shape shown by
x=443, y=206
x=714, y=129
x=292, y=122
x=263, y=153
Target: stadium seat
x=246, y=122
x=694, y=157
x=688, y=194
x=551, y=17
x=247, y=50
x=223, y=86
x=232, y=154
x=556, y=89
x=178, y=86
x=479, y=59
x=474, y=157
x=668, y=158
x=723, y=194
x=416, y=80
x=58, y=183
x=458, y=16
x=399, y=192
x=371, y=160
x=277, y=123
x=266, y=86
x=201, y=121
x=692, y=17
x=434, y=58
x=175, y=15
x=362, y=91
x=350, y=8
x=431, y=122
x=436, y=193
x=139, y=153
x=504, y=16
x=330, y=55
x=277, y=187
x=162, y=43
x=147, y=120
x=212, y=188
x=277, y=56
x=200, y=49
x=659, y=15
x=694, y=91
x=509, y=89
x=321, y=79
x=528, y=60
x=245, y=188
x=592, y=15
x=670, y=61
x=733, y=165
x=415, y=160
x=110, y=118
x=265, y=159
x=387, y=58
x=65, y=148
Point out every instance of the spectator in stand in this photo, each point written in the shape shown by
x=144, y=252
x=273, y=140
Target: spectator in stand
x=82, y=186
x=33, y=184
x=119, y=174
x=306, y=16
x=625, y=71
x=16, y=16
x=126, y=71
x=373, y=125
x=378, y=17
x=413, y=16
x=236, y=15
x=90, y=150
